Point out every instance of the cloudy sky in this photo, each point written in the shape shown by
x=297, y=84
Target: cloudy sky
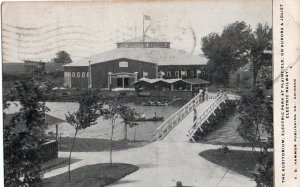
x=38, y=30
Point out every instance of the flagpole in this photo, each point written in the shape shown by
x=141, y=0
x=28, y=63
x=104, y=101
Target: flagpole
x=143, y=28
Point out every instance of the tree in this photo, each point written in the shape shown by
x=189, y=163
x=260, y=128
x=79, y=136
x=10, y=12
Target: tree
x=62, y=57
x=256, y=115
x=86, y=116
x=114, y=113
x=128, y=116
x=23, y=136
x=228, y=51
x=261, y=40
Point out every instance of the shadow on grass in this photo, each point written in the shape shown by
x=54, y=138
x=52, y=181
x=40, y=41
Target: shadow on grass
x=242, y=162
x=92, y=175
x=96, y=145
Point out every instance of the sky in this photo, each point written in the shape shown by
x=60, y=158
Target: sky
x=38, y=30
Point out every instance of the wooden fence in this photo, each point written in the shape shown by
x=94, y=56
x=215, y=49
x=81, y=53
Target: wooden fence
x=49, y=150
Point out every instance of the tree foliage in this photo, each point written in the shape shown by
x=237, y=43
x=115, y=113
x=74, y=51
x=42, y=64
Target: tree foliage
x=62, y=57
x=261, y=40
x=117, y=113
x=89, y=111
x=128, y=116
x=228, y=51
x=256, y=115
x=23, y=136
x=234, y=47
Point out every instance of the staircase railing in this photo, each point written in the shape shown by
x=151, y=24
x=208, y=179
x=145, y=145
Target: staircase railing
x=205, y=115
x=180, y=114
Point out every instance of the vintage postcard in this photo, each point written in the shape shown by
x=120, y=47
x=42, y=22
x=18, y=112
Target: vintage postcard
x=198, y=93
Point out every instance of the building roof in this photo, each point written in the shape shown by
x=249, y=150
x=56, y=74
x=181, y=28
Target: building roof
x=34, y=61
x=141, y=39
x=169, y=81
x=196, y=81
x=13, y=67
x=160, y=56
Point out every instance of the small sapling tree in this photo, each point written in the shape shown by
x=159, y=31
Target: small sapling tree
x=116, y=114
x=128, y=116
x=86, y=116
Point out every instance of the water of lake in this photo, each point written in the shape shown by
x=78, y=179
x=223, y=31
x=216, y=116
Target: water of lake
x=145, y=131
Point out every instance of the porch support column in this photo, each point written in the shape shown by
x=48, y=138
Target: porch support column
x=109, y=80
x=123, y=81
x=191, y=87
x=172, y=87
x=135, y=76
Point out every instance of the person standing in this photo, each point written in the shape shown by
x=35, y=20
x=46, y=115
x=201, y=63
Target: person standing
x=195, y=114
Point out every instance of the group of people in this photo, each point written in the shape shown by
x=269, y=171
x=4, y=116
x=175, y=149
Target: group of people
x=143, y=115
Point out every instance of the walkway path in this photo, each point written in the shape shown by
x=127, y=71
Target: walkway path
x=179, y=133
x=163, y=164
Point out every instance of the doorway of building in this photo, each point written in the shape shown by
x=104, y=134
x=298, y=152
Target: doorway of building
x=121, y=81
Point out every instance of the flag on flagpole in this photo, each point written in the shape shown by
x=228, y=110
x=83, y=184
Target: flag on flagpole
x=147, y=17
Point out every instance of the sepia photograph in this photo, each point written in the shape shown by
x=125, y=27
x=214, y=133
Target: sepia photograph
x=138, y=93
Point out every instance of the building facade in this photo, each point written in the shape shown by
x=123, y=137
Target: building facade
x=182, y=71
x=141, y=57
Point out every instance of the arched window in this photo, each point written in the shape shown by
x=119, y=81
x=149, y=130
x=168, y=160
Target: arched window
x=73, y=74
x=78, y=74
x=83, y=74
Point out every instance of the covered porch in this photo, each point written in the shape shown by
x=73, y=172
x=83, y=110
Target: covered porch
x=170, y=84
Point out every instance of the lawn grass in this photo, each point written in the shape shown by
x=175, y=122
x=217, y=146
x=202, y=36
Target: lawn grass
x=242, y=162
x=92, y=175
x=96, y=145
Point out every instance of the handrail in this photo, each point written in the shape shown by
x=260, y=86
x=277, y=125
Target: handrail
x=206, y=114
x=180, y=114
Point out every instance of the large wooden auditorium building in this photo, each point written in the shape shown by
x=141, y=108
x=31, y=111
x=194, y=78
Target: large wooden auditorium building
x=141, y=57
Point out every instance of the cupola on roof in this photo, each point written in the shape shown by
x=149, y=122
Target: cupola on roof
x=143, y=42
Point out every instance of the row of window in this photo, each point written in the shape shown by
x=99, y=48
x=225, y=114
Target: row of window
x=77, y=74
x=184, y=73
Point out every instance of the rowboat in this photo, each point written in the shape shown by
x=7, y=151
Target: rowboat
x=150, y=103
x=150, y=119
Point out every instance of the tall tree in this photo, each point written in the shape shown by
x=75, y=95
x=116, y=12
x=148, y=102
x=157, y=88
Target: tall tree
x=23, y=136
x=261, y=40
x=228, y=51
x=86, y=116
x=62, y=57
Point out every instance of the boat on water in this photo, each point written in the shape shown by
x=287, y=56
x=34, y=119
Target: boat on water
x=150, y=103
x=150, y=119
